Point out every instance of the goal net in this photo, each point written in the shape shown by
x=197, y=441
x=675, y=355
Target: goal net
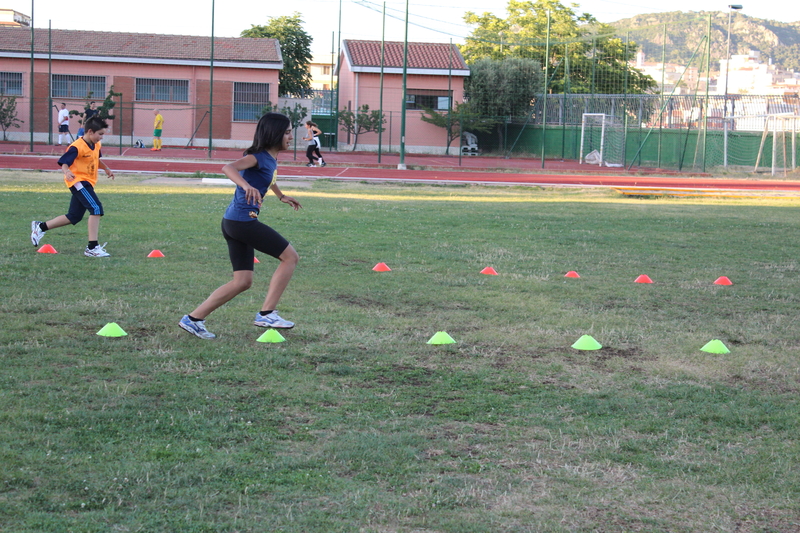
x=602, y=140
x=778, y=147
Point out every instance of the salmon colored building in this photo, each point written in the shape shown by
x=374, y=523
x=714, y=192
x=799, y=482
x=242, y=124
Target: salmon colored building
x=171, y=73
x=435, y=80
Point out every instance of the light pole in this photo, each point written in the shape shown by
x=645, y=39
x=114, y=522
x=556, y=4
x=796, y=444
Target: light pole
x=731, y=7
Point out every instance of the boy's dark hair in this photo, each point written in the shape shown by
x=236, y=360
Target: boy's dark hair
x=269, y=132
x=95, y=124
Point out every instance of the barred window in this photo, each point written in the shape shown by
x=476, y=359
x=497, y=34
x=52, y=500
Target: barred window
x=153, y=90
x=69, y=86
x=11, y=83
x=436, y=99
x=249, y=100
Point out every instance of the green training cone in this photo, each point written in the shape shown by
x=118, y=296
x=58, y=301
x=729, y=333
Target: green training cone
x=111, y=329
x=271, y=335
x=715, y=346
x=441, y=337
x=587, y=342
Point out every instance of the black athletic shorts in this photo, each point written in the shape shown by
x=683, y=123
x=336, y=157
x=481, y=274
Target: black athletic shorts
x=245, y=237
x=83, y=199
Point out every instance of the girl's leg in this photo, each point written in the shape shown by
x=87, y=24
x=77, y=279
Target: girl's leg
x=310, y=154
x=242, y=280
x=280, y=279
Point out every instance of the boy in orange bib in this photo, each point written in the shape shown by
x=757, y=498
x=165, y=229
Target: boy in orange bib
x=80, y=163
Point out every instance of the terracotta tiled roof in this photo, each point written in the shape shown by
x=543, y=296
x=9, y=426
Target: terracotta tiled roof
x=141, y=45
x=420, y=55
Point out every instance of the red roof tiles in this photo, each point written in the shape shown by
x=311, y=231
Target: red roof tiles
x=420, y=55
x=141, y=45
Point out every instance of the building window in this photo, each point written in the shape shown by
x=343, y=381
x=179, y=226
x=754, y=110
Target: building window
x=11, y=83
x=69, y=86
x=153, y=90
x=326, y=70
x=249, y=100
x=438, y=100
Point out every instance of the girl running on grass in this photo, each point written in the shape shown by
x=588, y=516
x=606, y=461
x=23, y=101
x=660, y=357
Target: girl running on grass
x=253, y=175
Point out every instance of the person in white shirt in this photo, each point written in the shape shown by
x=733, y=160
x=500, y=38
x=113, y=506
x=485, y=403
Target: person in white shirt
x=63, y=123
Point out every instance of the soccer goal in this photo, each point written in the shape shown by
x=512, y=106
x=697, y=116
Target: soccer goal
x=602, y=140
x=783, y=151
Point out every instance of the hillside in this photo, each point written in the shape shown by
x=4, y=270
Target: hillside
x=779, y=41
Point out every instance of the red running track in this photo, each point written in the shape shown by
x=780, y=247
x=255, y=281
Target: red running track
x=47, y=162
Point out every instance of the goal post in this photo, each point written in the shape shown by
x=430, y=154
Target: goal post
x=602, y=140
x=783, y=146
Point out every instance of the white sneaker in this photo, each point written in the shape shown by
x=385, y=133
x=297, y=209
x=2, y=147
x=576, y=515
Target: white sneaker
x=36, y=233
x=196, y=327
x=272, y=320
x=97, y=251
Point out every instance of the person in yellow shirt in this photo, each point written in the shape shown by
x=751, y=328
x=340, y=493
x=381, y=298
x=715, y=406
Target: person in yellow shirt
x=158, y=125
x=80, y=164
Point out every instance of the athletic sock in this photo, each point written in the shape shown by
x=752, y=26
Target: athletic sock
x=265, y=313
x=193, y=319
x=43, y=226
x=92, y=245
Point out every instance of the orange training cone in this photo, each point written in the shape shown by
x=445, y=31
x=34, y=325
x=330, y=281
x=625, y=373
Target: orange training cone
x=644, y=278
x=255, y=260
x=571, y=274
x=723, y=280
x=47, y=249
x=489, y=271
x=381, y=267
x=155, y=253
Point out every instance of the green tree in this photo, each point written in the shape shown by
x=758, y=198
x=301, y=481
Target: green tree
x=598, y=61
x=296, y=115
x=361, y=121
x=103, y=110
x=458, y=120
x=8, y=114
x=294, y=79
x=504, y=89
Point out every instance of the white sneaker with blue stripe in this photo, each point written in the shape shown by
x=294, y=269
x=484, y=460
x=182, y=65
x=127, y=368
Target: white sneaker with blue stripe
x=196, y=327
x=272, y=320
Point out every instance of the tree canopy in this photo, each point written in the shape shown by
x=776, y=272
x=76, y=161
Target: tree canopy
x=585, y=55
x=294, y=79
x=503, y=89
x=361, y=121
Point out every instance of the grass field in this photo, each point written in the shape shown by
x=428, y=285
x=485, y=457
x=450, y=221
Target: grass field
x=355, y=423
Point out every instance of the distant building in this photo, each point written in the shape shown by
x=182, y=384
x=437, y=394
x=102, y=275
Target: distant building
x=677, y=79
x=9, y=17
x=168, y=72
x=321, y=68
x=435, y=80
x=747, y=74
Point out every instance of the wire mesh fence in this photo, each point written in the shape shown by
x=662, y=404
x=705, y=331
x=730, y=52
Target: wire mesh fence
x=670, y=98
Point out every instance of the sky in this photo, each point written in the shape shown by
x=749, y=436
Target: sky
x=429, y=20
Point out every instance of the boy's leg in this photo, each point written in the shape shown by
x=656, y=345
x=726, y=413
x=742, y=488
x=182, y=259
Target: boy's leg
x=58, y=222
x=94, y=227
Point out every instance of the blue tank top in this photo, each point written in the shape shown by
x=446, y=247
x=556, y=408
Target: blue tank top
x=261, y=177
